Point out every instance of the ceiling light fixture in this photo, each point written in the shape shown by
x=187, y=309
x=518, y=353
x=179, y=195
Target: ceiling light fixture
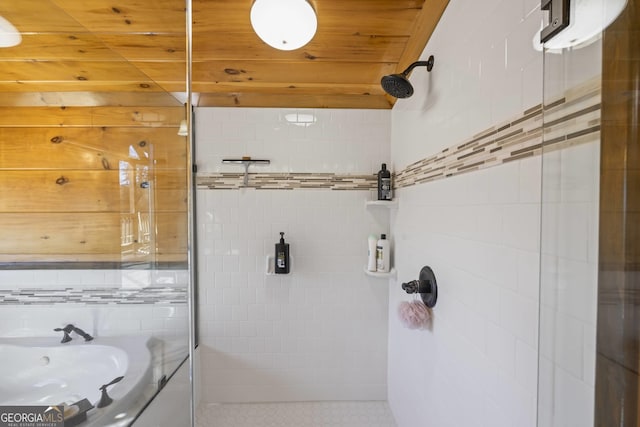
x=284, y=24
x=9, y=35
x=588, y=18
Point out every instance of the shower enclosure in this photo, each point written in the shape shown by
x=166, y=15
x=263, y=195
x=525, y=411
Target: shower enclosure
x=95, y=210
x=588, y=337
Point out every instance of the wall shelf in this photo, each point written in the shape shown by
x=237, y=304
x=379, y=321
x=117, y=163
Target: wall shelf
x=383, y=203
x=391, y=273
x=270, y=266
x=375, y=205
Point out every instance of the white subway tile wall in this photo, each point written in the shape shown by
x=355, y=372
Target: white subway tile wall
x=481, y=352
x=569, y=253
x=480, y=232
x=482, y=76
x=294, y=140
x=319, y=333
x=569, y=279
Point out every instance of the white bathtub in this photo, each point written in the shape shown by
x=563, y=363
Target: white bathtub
x=42, y=371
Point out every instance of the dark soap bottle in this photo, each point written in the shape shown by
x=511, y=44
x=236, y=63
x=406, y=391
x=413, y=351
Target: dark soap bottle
x=384, y=183
x=282, y=256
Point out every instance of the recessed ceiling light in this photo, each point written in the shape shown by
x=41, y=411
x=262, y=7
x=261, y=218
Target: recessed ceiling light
x=284, y=24
x=300, y=119
x=9, y=35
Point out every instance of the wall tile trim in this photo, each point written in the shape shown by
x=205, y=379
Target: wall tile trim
x=571, y=117
x=575, y=118
x=286, y=181
x=148, y=295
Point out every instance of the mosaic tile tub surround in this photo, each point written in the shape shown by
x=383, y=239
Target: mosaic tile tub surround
x=93, y=287
x=148, y=295
x=570, y=120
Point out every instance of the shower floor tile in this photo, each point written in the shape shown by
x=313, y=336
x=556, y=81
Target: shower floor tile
x=296, y=414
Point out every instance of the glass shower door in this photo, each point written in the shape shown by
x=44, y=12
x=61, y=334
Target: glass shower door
x=571, y=239
x=95, y=210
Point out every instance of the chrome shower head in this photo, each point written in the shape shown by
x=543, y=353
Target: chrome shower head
x=397, y=85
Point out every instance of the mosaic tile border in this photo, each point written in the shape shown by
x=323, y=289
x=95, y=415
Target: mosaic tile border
x=286, y=181
x=94, y=265
x=94, y=296
x=570, y=120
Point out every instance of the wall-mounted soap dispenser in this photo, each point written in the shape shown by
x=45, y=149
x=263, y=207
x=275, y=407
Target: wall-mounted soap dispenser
x=282, y=261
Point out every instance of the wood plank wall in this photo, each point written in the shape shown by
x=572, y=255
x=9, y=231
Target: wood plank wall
x=618, y=336
x=97, y=184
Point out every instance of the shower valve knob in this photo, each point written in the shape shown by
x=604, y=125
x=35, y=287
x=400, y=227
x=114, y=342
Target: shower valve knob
x=426, y=286
x=416, y=286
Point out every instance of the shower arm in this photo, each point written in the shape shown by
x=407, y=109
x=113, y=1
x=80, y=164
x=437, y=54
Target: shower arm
x=428, y=63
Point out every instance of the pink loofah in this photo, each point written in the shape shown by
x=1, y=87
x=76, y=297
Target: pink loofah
x=414, y=314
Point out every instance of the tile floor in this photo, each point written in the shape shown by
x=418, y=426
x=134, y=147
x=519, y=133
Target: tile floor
x=296, y=414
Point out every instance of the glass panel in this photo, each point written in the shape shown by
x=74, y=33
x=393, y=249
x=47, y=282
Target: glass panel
x=570, y=215
x=618, y=343
x=94, y=208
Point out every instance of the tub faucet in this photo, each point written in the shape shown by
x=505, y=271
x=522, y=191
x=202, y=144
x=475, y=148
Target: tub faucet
x=105, y=400
x=70, y=328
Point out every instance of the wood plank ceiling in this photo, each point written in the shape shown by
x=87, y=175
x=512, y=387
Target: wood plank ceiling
x=119, y=52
